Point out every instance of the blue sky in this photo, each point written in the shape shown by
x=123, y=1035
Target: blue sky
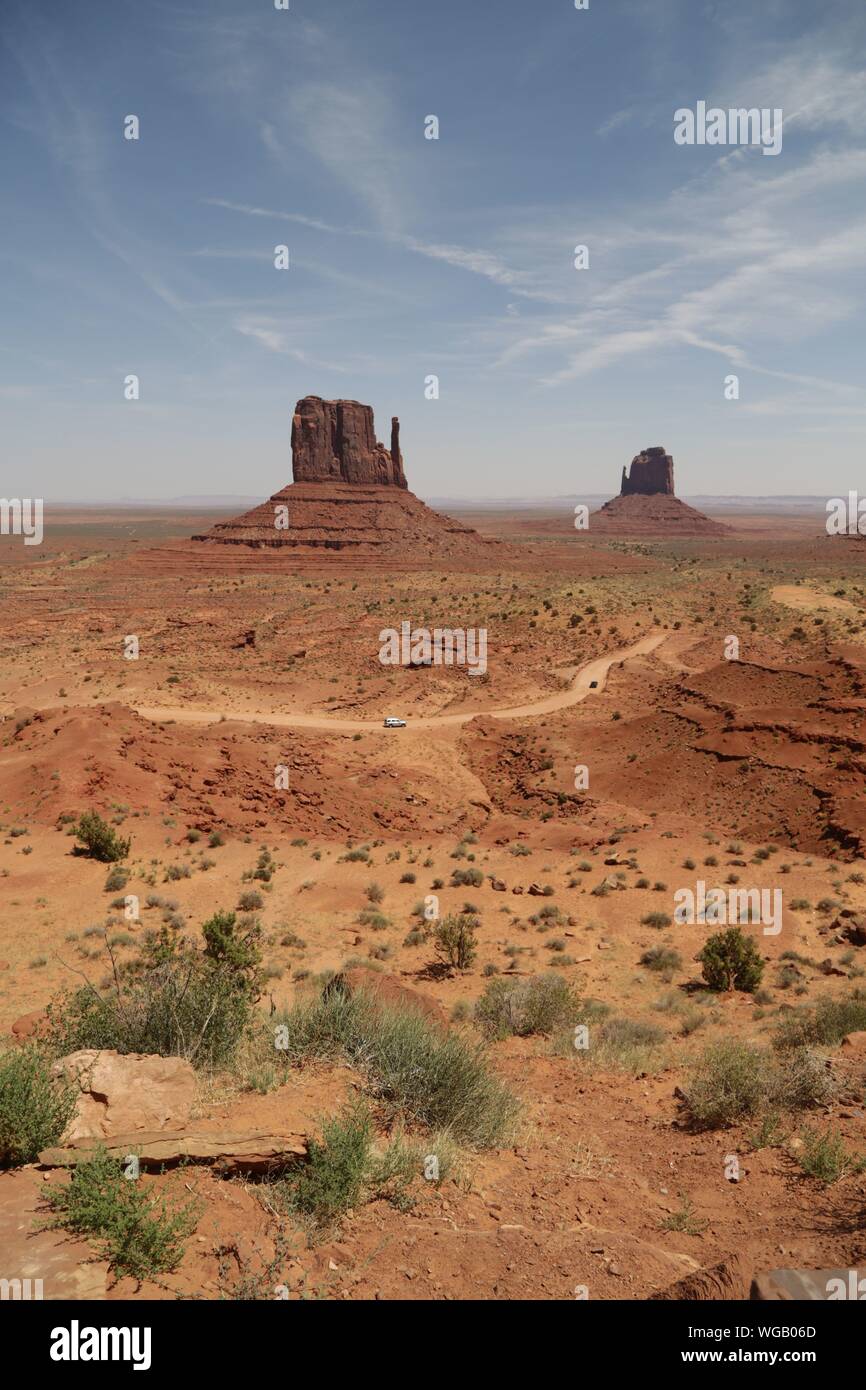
x=412, y=257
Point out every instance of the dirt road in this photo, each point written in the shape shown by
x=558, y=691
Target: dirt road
x=595, y=670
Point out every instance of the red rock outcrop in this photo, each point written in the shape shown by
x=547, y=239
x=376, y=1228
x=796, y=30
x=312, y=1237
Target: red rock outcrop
x=121, y=1093
x=335, y=442
x=651, y=472
x=349, y=494
x=646, y=505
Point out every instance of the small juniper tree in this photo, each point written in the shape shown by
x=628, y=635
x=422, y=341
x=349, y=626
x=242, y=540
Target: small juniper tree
x=99, y=840
x=730, y=960
x=454, y=941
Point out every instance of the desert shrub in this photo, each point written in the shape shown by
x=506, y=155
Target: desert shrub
x=454, y=941
x=139, y=1233
x=691, y=1020
x=824, y=1025
x=332, y=1179
x=540, y=1004
x=630, y=1032
x=291, y=938
x=824, y=1156
x=233, y=948
x=377, y=920
x=466, y=878
x=727, y=1083
x=374, y=892
x=407, y=878
x=35, y=1107
x=118, y=877
x=265, y=867
x=100, y=841
x=684, y=1219
x=800, y=1082
x=404, y=1160
x=615, y=1043
x=438, y=1080
x=731, y=960
x=656, y=919
x=250, y=901
x=732, y=1080
x=177, y=1009
x=173, y=1000
x=662, y=959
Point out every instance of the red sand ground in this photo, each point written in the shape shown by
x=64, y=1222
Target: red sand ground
x=691, y=758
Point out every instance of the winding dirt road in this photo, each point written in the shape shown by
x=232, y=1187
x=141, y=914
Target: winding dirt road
x=595, y=670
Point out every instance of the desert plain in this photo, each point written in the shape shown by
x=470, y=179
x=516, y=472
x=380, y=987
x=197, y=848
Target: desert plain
x=744, y=771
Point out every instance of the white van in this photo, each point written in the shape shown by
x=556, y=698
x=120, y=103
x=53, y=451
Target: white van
x=395, y=723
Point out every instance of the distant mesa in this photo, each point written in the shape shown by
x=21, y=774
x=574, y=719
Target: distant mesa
x=335, y=442
x=647, y=505
x=349, y=493
x=651, y=474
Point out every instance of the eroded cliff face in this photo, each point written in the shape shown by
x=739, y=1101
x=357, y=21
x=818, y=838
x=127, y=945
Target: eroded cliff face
x=349, y=493
x=335, y=442
x=647, y=505
x=651, y=473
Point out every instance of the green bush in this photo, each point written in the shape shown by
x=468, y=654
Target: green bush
x=824, y=1025
x=333, y=1178
x=662, y=959
x=540, y=1004
x=454, y=941
x=466, y=878
x=437, y=1080
x=624, y=1033
x=367, y=917
x=731, y=961
x=35, y=1107
x=732, y=1080
x=99, y=840
x=825, y=1157
x=800, y=1081
x=173, y=1000
x=233, y=947
x=728, y=1082
x=658, y=920
x=139, y=1233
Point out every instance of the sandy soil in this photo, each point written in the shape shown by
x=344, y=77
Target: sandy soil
x=699, y=767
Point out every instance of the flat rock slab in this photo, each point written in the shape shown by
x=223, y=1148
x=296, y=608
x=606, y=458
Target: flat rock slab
x=65, y=1265
x=232, y=1152
x=119, y=1093
x=808, y=1285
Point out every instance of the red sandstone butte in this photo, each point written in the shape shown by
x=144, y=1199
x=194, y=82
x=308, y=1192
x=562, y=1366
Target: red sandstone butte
x=335, y=442
x=651, y=472
x=349, y=493
x=647, y=506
